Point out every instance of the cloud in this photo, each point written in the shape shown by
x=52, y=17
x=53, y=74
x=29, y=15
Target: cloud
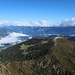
x=12, y=38
x=45, y=23
x=42, y=23
x=68, y=22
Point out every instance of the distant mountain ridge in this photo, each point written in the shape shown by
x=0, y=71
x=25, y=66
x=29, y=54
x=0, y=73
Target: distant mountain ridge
x=43, y=31
x=4, y=32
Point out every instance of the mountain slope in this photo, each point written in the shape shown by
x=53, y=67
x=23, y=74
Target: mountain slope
x=39, y=57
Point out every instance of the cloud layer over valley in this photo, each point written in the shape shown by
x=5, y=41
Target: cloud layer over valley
x=12, y=38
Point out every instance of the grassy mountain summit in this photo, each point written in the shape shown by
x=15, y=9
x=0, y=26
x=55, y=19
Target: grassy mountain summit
x=39, y=57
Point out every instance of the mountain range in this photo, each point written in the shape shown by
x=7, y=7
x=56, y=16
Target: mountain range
x=27, y=32
x=43, y=31
x=4, y=32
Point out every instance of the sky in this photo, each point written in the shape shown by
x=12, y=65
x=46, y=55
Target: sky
x=36, y=11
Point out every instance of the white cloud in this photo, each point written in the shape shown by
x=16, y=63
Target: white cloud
x=68, y=22
x=43, y=23
x=73, y=19
x=12, y=38
x=40, y=23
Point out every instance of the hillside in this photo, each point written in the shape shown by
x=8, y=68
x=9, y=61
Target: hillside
x=51, y=56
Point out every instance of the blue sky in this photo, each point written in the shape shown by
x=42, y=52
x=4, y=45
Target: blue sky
x=36, y=10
